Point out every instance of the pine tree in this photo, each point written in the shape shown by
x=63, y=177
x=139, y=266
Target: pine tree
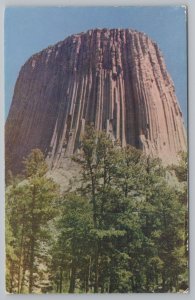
x=30, y=206
x=74, y=243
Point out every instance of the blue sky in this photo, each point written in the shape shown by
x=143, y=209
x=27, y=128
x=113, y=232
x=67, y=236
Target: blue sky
x=29, y=30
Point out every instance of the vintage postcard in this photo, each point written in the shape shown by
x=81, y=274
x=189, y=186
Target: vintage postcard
x=96, y=157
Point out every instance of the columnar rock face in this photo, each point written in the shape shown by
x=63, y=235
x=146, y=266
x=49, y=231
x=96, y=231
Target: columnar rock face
x=115, y=79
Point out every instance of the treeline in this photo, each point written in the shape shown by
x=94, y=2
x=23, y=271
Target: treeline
x=122, y=229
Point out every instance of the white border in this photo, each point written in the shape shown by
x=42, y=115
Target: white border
x=191, y=128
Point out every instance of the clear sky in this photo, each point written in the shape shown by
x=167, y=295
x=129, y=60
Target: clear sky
x=29, y=30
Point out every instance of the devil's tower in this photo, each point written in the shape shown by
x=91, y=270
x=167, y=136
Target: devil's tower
x=115, y=79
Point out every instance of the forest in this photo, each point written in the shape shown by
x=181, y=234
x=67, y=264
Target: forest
x=122, y=228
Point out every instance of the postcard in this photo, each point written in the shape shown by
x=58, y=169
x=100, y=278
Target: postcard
x=96, y=157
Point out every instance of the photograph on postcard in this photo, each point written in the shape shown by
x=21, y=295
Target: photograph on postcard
x=96, y=158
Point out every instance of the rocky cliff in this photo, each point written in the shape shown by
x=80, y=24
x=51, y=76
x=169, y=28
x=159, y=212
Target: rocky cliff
x=115, y=79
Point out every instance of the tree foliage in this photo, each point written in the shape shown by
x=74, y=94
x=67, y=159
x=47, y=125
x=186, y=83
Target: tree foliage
x=124, y=229
x=29, y=208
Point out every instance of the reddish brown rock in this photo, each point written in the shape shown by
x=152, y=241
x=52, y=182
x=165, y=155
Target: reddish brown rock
x=116, y=79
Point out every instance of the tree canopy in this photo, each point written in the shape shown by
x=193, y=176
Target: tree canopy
x=123, y=230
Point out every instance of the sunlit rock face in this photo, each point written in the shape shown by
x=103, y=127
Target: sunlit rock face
x=115, y=79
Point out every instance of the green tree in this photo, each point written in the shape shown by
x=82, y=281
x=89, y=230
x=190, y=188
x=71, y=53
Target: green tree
x=95, y=148
x=30, y=206
x=127, y=189
x=74, y=243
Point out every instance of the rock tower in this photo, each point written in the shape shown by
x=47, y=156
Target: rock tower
x=113, y=78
